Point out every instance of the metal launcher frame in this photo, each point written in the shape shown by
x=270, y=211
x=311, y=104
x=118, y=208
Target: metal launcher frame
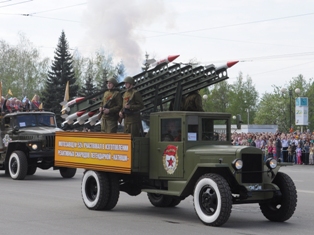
x=162, y=85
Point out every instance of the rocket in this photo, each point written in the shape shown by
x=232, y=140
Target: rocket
x=226, y=65
x=70, y=119
x=153, y=63
x=92, y=120
x=83, y=118
x=66, y=105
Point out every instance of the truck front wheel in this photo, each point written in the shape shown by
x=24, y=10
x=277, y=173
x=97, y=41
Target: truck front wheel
x=281, y=208
x=95, y=190
x=67, y=172
x=18, y=165
x=212, y=200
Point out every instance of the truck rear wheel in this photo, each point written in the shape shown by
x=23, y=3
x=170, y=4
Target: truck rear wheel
x=114, y=192
x=95, y=190
x=175, y=201
x=18, y=165
x=159, y=200
x=67, y=172
x=281, y=208
x=212, y=200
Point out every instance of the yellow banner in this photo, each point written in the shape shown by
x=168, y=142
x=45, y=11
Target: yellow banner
x=96, y=151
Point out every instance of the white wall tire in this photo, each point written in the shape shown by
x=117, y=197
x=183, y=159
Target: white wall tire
x=18, y=165
x=212, y=200
x=95, y=190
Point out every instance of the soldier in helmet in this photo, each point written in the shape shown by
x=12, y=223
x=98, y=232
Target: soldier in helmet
x=193, y=102
x=110, y=106
x=132, y=104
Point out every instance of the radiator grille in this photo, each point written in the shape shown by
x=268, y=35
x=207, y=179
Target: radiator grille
x=50, y=141
x=252, y=168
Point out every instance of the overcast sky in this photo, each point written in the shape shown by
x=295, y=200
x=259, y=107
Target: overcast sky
x=272, y=39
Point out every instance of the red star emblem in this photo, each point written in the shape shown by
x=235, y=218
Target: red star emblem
x=170, y=162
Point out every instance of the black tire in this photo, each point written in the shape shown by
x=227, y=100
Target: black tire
x=212, y=200
x=281, y=208
x=114, y=192
x=18, y=165
x=159, y=200
x=31, y=170
x=175, y=201
x=67, y=172
x=95, y=190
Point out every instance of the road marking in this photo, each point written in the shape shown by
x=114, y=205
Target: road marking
x=305, y=191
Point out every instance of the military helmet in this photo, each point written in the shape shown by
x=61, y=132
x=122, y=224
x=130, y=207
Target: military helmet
x=129, y=79
x=113, y=81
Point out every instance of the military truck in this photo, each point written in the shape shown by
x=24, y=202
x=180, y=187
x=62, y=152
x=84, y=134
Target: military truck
x=183, y=154
x=27, y=143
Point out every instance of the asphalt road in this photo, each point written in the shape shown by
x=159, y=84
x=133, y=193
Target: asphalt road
x=46, y=204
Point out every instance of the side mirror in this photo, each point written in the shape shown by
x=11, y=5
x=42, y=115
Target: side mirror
x=239, y=121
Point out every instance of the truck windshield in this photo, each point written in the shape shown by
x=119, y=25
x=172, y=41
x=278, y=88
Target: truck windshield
x=35, y=120
x=207, y=129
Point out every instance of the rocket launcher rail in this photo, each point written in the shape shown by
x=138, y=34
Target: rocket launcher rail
x=162, y=85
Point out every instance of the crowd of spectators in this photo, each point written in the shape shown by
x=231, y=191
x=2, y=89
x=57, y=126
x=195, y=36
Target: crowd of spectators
x=294, y=147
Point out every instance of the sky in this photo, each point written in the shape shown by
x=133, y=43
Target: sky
x=272, y=39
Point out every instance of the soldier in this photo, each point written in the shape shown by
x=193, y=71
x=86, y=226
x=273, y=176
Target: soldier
x=132, y=104
x=193, y=102
x=110, y=106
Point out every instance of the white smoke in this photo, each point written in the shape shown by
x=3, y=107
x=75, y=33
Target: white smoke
x=115, y=25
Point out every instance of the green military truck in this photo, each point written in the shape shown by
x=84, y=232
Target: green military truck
x=183, y=154
x=27, y=143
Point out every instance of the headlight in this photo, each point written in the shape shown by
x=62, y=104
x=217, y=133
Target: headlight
x=237, y=164
x=271, y=163
x=34, y=146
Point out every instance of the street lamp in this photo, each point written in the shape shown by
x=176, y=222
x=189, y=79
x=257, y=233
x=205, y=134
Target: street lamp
x=284, y=91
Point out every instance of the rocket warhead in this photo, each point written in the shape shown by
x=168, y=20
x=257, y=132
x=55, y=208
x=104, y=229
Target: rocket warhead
x=66, y=106
x=153, y=63
x=70, y=119
x=92, y=120
x=83, y=118
x=227, y=65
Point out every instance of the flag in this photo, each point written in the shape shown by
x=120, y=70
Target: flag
x=41, y=107
x=66, y=97
x=66, y=92
x=33, y=98
x=10, y=92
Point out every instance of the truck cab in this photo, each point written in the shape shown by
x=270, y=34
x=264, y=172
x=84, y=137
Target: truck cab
x=27, y=143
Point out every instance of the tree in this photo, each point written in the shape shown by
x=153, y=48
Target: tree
x=61, y=72
x=278, y=107
x=243, y=98
x=23, y=68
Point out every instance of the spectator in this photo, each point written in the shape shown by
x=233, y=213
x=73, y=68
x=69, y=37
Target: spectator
x=298, y=152
x=311, y=160
x=306, y=149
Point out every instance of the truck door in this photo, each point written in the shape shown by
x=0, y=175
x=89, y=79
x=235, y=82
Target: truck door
x=170, y=148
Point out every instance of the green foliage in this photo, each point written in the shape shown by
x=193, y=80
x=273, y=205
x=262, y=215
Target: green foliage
x=21, y=69
x=92, y=72
x=279, y=107
x=61, y=72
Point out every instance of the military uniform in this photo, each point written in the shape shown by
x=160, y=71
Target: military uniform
x=112, y=100
x=132, y=117
x=193, y=102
